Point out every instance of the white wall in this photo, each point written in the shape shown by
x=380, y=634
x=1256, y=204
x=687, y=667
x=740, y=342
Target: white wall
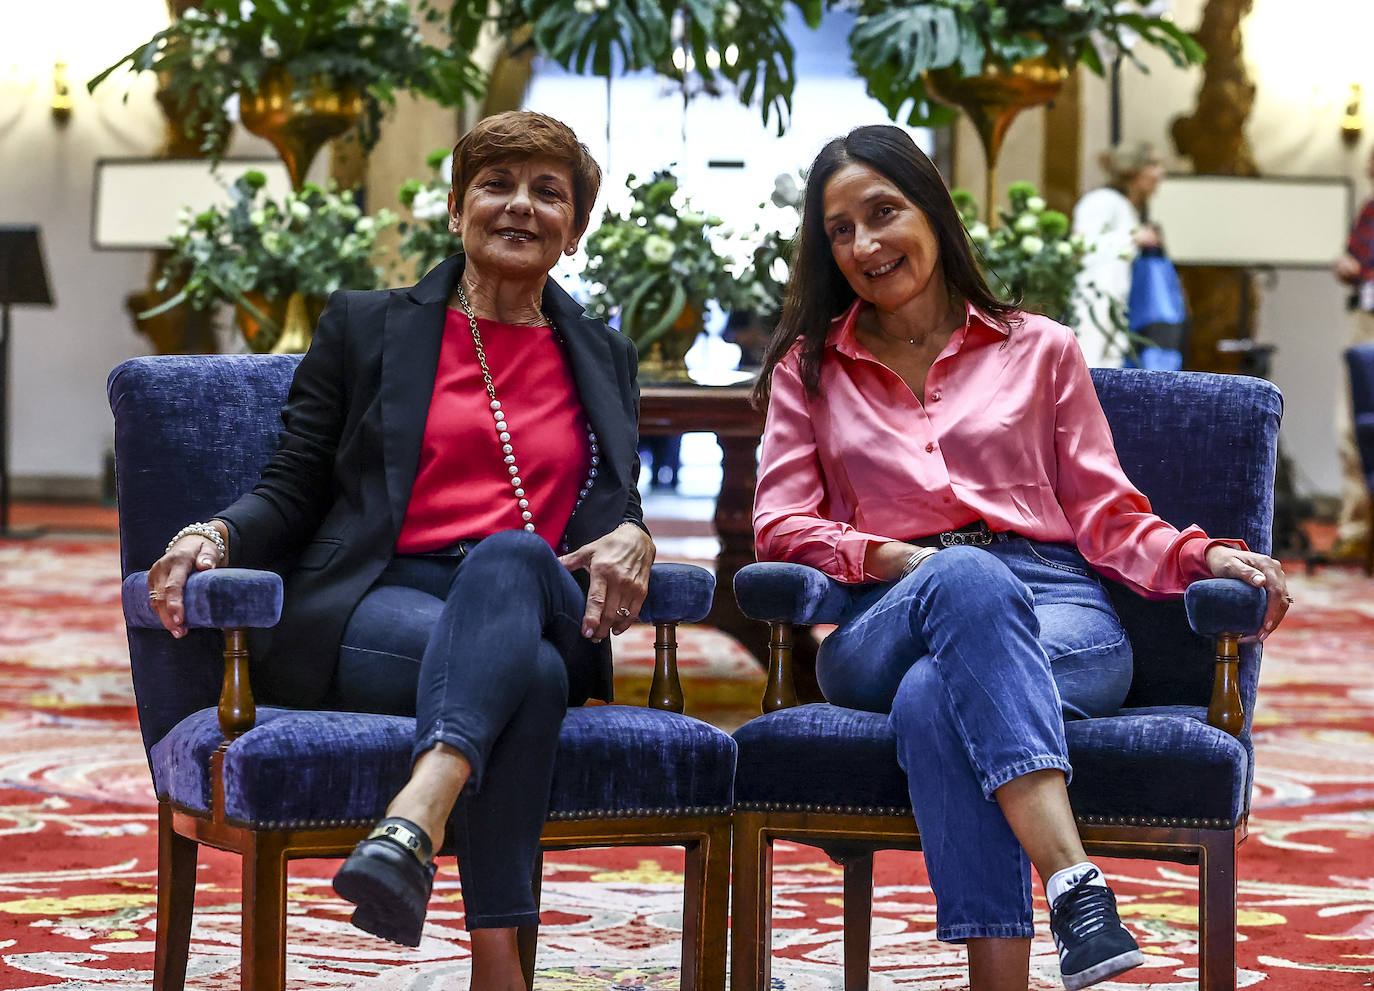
x=1302, y=55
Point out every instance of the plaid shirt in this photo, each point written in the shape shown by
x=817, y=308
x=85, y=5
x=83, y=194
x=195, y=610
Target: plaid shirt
x=1361, y=244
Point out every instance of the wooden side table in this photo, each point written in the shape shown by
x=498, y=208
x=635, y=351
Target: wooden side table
x=725, y=412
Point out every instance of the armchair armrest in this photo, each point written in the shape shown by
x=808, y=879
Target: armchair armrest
x=678, y=593
x=784, y=594
x=223, y=598
x=776, y=592
x=1225, y=609
x=229, y=599
x=1218, y=606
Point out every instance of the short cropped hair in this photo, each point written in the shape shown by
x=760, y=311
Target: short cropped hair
x=1124, y=162
x=521, y=134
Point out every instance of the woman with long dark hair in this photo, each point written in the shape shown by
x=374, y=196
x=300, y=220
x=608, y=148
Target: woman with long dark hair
x=946, y=454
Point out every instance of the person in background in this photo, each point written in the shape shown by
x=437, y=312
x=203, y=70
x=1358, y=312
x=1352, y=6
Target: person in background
x=1355, y=269
x=945, y=454
x=1112, y=220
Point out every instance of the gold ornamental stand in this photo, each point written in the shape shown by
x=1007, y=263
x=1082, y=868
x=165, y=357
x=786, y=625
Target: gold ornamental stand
x=992, y=99
x=298, y=125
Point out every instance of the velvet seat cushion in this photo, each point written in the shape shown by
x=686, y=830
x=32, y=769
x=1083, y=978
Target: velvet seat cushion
x=287, y=772
x=1163, y=764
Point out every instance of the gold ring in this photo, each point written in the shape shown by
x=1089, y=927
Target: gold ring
x=154, y=595
x=1287, y=598
x=622, y=611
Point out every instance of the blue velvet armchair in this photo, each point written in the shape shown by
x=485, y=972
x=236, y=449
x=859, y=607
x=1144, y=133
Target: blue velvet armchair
x=1359, y=361
x=275, y=784
x=1167, y=778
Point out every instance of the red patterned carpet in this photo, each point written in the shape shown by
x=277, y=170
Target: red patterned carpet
x=78, y=821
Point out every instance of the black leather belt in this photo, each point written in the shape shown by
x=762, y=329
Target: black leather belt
x=975, y=534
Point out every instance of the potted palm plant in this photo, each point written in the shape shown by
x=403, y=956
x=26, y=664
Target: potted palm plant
x=304, y=70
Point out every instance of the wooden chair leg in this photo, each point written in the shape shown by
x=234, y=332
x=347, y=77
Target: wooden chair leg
x=858, y=920
x=264, y=914
x=751, y=942
x=1216, y=904
x=527, y=937
x=176, y=897
x=705, y=910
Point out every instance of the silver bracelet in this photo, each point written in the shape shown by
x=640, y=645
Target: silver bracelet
x=918, y=557
x=206, y=530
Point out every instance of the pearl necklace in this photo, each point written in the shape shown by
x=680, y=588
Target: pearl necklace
x=503, y=426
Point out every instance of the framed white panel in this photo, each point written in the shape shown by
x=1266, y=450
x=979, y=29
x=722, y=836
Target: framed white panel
x=1261, y=222
x=136, y=200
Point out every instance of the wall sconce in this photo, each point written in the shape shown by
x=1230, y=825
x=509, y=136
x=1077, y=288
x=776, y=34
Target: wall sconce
x=61, y=94
x=1352, y=124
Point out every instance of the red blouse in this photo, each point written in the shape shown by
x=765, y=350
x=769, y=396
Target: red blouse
x=462, y=486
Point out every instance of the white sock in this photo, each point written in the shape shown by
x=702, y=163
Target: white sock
x=1062, y=881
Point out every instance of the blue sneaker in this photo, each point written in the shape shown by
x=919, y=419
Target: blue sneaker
x=1093, y=944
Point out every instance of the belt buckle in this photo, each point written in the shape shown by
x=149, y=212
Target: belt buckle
x=966, y=538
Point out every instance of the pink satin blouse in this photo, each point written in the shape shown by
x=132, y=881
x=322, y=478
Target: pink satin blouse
x=1009, y=430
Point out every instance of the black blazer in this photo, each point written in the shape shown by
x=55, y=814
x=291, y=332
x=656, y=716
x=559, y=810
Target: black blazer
x=329, y=505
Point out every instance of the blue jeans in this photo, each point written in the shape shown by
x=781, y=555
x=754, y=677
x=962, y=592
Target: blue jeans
x=459, y=641
x=979, y=656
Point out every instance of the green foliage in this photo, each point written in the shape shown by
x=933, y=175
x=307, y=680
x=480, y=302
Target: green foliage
x=1033, y=259
x=225, y=47
x=895, y=41
x=314, y=242
x=763, y=282
x=652, y=264
x=426, y=239
x=599, y=37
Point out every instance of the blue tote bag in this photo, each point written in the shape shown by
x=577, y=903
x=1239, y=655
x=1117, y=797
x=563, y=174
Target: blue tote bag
x=1157, y=311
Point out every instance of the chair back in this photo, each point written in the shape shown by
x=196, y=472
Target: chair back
x=1203, y=448
x=192, y=433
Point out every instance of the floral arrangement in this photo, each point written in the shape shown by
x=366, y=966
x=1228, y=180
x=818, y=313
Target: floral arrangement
x=226, y=47
x=426, y=239
x=763, y=282
x=894, y=42
x=314, y=242
x=656, y=265
x=1032, y=259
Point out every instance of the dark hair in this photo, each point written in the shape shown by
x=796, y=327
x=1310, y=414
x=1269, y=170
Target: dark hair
x=817, y=291
x=518, y=134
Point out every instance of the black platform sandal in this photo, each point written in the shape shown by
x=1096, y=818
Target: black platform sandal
x=389, y=876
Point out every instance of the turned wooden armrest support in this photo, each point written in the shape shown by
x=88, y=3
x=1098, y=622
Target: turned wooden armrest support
x=237, y=711
x=666, y=690
x=1225, y=711
x=780, y=692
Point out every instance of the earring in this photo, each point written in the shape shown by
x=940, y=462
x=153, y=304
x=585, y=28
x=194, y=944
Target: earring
x=571, y=249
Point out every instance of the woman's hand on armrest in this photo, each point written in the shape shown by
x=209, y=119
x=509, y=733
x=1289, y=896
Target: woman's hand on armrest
x=618, y=565
x=1258, y=570
x=886, y=561
x=167, y=577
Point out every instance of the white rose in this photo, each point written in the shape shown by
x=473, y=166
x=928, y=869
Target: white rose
x=430, y=204
x=1035, y=204
x=729, y=15
x=658, y=250
x=246, y=8
x=979, y=231
x=584, y=7
x=1074, y=5
x=601, y=4
x=1026, y=223
x=365, y=225
x=1031, y=245
x=1064, y=248
x=257, y=218
x=270, y=48
x=224, y=56
x=666, y=223
x=300, y=210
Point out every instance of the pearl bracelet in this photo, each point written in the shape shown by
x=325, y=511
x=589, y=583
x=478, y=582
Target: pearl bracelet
x=206, y=530
x=918, y=557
